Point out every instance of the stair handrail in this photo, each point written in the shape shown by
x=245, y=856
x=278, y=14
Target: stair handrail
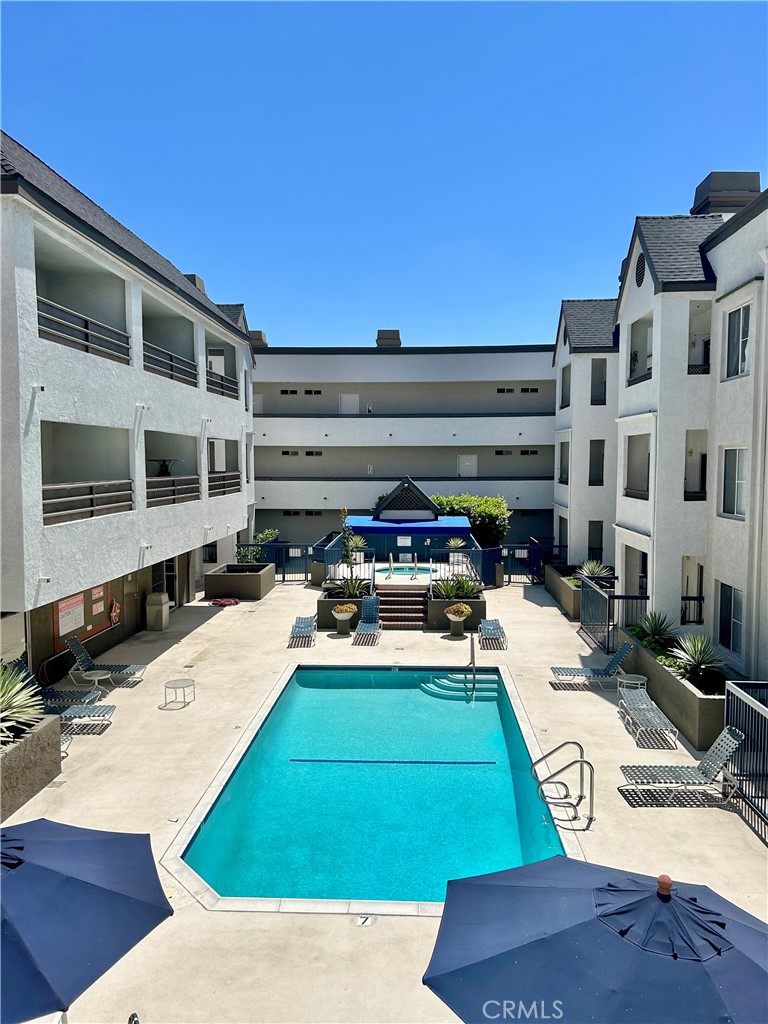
x=391, y=566
x=565, y=801
x=429, y=588
x=415, y=573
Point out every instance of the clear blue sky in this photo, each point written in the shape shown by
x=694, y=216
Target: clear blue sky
x=452, y=170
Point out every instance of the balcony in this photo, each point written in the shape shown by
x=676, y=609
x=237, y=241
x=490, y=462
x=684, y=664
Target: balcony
x=694, y=495
x=221, y=384
x=633, y=492
x=698, y=369
x=170, y=365
x=67, y=327
x=86, y=499
x=691, y=611
x=172, y=490
x=220, y=484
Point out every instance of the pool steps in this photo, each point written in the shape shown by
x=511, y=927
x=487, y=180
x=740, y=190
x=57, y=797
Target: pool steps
x=459, y=687
x=402, y=608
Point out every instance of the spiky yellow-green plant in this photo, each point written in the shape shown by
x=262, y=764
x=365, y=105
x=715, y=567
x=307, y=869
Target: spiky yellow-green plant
x=20, y=704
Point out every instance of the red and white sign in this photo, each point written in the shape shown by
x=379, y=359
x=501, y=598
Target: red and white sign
x=71, y=614
x=96, y=593
x=97, y=608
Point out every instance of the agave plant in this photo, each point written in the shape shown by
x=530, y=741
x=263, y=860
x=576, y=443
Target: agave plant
x=351, y=587
x=594, y=570
x=457, y=586
x=20, y=704
x=455, y=542
x=356, y=541
x=655, y=628
x=697, y=650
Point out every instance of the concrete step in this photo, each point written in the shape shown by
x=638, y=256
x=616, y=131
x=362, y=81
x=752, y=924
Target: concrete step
x=402, y=624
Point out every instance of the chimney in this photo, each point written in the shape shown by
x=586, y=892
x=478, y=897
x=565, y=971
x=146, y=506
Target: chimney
x=258, y=339
x=726, y=191
x=388, y=339
x=198, y=282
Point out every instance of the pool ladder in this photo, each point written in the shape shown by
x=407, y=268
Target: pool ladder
x=562, y=796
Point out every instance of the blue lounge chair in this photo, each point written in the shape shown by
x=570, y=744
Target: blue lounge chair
x=587, y=673
x=66, y=698
x=369, y=626
x=85, y=663
x=700, y=776
x=492, y=635
x=90, y=712
x=303, y=631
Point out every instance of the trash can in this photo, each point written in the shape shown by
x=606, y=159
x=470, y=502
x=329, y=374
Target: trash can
x=158, y=612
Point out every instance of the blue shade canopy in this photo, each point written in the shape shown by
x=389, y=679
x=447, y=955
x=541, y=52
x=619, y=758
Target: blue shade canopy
x=74, y=901
x=448, y=525
x=585, y=943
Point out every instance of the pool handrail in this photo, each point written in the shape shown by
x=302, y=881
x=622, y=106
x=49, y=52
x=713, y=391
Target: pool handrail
x=391, y=567
x=415, y=573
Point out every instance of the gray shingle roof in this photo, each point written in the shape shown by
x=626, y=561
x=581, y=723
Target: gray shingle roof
x=672, y=246
x=235, y=311
x=589, y=323
x=18, y=162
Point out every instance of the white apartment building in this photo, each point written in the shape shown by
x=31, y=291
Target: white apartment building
x=585, y=359
x=339, y=427
x=691, y=484
x=126, y=419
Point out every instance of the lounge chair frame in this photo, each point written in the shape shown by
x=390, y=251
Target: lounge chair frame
x=369, y=627
x=588, y=673
x=491, y=634
x=303, y=631
x=85, y=663
x=640, y=713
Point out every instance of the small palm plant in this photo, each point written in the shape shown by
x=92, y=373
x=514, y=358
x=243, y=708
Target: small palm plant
x=655, y=628
x=697, y=650
x=351, y=587
x=455, y=542
x=594, y=569
x=20, y=704
x=356, y=541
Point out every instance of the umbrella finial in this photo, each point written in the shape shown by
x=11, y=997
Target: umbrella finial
x=664, y=890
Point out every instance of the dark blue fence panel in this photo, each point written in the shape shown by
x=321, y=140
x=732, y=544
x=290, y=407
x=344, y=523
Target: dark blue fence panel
x=746, y=708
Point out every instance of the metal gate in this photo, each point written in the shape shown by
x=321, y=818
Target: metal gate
x=517, y=564
x=525, y=562
x=292, y=562
x=603, y=612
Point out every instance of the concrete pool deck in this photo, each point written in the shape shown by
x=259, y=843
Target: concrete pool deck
x=151, y=767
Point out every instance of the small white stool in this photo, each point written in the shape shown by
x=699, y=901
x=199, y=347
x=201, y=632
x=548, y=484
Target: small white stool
x=94, y=680
x=630, y=680
x=176, y=687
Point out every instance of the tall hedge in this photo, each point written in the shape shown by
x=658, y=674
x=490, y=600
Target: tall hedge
x=488, y=517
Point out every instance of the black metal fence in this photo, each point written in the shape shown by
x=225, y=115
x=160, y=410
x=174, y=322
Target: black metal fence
x=292, y=562
x=691, y=611
x=746, y=708
x=603, y=612
x=525, y=562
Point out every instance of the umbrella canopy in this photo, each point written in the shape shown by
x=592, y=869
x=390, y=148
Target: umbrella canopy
x=567, y=941
x=74, y=900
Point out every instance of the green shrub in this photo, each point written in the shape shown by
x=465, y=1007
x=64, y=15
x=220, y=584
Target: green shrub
x=21, y=706
x=574, y=581
x=675, y=664
x=488, y=517
x=698, y=651
x=655, y=628
x=456, y=587
x=252, y=552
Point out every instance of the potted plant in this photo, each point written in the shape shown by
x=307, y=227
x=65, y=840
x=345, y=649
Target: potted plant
x=343, y=613
x=456, y=614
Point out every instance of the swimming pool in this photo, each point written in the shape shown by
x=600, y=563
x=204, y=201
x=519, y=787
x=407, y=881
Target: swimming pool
x=375, y=784
x=403, y=570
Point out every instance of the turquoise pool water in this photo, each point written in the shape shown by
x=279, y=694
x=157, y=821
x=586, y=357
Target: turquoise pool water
x=403, y=570
x=375, y=784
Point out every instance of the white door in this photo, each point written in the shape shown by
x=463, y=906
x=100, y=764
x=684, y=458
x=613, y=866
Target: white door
x=215, y=359
x=467, y=465
x=258, y=405
x=217, y=455
x=349, y=405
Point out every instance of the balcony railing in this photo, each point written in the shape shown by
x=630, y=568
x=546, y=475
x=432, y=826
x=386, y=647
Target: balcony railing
x=638, y=378
x=595, y=553
x=598, y=395
x=221, y=384
x=172, y=490
x=169, y=364
x=694, y=495
x=691, y=611
x=696, y=369
x=66, y=327
x=634, y=492
x=223, y=483
x=64, y=503
x=288, y=477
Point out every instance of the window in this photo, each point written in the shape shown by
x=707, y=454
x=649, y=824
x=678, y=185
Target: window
x=210, y=552
x=288, y=391
x=529, y=391
x=738, y=335
x=596, y=463
x=310, y=453
x=565, y=387
x=291, y=513
x=565, y=452
x=310, y=391
x=504, y=451
x=598, y=388
x=290, y=453
x=595, y=539
x=505, y=391
x=313, y=512
x=735, y=482
x=529, y=451
x=731, y=617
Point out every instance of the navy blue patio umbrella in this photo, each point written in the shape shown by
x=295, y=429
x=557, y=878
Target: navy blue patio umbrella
x=74, y=900
x=567, y=941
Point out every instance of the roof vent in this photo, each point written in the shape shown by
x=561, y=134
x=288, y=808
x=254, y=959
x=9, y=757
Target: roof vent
x=198, y=282
x=640, y=270
x=258, y=339
x=726, y=191
x=388, y=339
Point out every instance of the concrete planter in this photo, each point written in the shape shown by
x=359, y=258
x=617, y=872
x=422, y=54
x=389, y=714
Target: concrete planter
x=325, y=617
x=437, y=619
x=699, y=716
x=247, y=581
x=566, y=595
x=29, y=764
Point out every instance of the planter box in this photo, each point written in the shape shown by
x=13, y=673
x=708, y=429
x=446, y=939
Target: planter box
x=29, y=764
x=566, y=595
x=700, y=717
x=437, y=619
x=325, y=606
x=248, y=581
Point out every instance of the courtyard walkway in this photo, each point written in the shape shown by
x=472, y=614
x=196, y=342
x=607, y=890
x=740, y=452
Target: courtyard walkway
x=148, y=771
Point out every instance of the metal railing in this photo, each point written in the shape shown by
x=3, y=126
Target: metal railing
x=596, y=554
x=694, y=495
x=459, y=561
x=562, y=794
x=221, y=384
x=223, y=483
x=172, y=490
x=169, y=364
x=746, y=708
x=638, y=378
x=73, y=329
x=85, y=499
x=697, y=369
x=292, y=562
x=603, y=612
x=691, y=611
x=635, y=492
